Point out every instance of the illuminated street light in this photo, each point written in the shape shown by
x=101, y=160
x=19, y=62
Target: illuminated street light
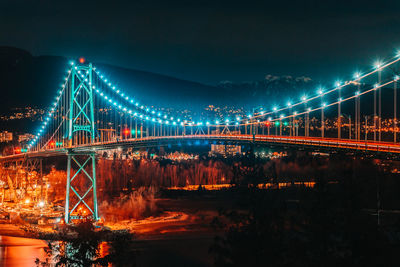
x=377, y=64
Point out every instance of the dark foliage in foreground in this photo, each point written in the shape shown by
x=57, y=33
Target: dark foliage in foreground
x=82, y=245
x=322, y=226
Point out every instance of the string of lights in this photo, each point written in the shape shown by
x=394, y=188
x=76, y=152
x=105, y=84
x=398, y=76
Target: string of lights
x=325, y=105
x=137, y=111
x=133, y=113
x=129, y=99
x=51, y=110
x=358, y=76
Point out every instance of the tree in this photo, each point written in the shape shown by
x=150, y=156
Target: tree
x=80, y=245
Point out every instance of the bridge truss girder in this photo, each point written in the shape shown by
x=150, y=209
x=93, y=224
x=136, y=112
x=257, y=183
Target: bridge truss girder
x=81, y=102
x=82, y=161
x=81, y=123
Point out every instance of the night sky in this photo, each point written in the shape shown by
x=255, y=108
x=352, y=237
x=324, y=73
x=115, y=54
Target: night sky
x=209, y=41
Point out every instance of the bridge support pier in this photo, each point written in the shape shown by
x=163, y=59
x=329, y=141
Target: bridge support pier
x=79, y=188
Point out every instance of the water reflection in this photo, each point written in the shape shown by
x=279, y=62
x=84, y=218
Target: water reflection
x=21, y=252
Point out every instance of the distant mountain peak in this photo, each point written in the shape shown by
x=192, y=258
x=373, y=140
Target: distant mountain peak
x=287, y=78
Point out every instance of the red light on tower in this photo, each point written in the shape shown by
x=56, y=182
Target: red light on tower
x=267, y=123
x=52, y=143
x=127, y=131
x=82, y=60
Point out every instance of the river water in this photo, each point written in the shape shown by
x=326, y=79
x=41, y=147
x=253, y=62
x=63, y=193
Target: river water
x=21, y=252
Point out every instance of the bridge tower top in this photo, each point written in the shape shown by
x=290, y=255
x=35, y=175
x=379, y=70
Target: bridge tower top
x=81, y=102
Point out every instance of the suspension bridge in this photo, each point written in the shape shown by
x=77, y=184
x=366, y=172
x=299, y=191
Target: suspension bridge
x=90, y=114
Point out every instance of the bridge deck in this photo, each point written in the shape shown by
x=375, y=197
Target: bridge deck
x=313, y=142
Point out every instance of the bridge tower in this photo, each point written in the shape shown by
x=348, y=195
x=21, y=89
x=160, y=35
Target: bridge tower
x=81, y=189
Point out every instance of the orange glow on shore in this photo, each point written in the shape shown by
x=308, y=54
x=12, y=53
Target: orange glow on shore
x=261, y=186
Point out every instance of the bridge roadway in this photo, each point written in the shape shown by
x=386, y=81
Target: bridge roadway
x=385, y=149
